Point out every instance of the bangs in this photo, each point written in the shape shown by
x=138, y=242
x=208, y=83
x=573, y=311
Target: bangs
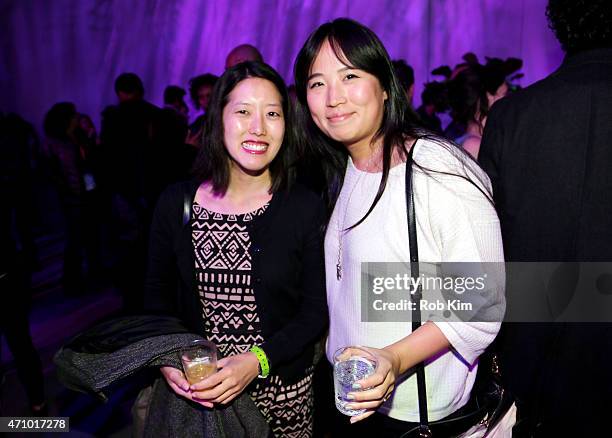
x=354, y=49
x=339, y=51
x=354, y=45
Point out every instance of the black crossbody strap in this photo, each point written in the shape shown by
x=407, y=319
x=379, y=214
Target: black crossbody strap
x=424, y=430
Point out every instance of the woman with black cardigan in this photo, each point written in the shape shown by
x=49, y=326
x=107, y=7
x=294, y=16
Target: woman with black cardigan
x=237, y=255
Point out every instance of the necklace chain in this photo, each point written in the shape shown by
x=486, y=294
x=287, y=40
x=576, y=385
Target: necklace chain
x=341, y=230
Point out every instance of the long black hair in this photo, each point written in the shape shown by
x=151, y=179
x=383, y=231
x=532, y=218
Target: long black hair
x=356, y=46
x=213, y=161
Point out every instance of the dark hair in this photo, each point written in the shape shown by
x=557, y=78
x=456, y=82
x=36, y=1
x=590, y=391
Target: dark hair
x=173, y=94
x=466, y=94
x=129, y=83
x=404, y=73
x=467, y=91
x=357, y=46
x=581, y=24
x=198, y=82
x=436, y=94
x=213, y=162
x=58, y=119
x=495, y=71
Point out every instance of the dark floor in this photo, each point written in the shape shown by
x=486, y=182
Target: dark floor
x=53, y=320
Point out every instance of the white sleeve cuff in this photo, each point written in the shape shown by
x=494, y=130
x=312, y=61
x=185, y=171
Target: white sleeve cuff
x=469, y=340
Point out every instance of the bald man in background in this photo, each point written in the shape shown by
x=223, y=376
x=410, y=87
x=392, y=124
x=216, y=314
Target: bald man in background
x=242, y=53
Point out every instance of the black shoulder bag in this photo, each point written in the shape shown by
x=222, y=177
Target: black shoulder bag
x=488, y=401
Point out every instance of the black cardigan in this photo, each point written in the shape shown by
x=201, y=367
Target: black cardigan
x=288, y=273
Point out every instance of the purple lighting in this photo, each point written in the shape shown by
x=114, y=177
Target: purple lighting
x=73, y=49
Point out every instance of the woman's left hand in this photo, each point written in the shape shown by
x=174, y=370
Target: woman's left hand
x=380, y=384
x=235, y=373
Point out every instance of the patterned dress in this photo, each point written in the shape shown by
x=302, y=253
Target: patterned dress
x=229, y=310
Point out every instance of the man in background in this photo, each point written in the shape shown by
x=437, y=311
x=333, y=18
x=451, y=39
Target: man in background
x=174, y=98
x=130, y=151
x=242, y=53
x=548, y=151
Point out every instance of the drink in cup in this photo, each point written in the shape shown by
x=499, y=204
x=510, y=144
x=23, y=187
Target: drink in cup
x=351, y=364
x=199, y=360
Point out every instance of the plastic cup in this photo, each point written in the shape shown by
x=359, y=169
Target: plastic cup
x=199, y=360
x=351, y=364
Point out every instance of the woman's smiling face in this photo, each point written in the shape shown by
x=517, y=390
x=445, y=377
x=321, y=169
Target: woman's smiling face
x=253, y=125
x=347, y=104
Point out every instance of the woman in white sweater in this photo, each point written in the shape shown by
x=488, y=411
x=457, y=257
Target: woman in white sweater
x=355, y=116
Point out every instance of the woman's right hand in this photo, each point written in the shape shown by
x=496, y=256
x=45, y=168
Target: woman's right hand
x=380, y=385
x=176, y=380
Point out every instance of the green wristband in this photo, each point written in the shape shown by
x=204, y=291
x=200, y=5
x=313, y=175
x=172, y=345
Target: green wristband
x=264, y=366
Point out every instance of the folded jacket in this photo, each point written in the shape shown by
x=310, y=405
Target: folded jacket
x=119, y=348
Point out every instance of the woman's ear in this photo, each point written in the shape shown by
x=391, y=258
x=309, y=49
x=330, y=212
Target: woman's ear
x=385, y=96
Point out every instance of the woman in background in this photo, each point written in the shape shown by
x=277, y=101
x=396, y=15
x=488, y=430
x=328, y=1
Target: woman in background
x=471, y=94
x=70, y=166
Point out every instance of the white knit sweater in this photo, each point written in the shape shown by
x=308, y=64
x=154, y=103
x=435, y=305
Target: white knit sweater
x=454, y=223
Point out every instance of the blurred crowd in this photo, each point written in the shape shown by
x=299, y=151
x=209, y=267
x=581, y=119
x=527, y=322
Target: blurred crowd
x=108, y=180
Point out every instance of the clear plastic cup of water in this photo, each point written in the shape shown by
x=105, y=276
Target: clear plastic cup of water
x=351, y=364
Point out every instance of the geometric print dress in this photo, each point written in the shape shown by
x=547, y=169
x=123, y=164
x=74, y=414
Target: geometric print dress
x=223, y=276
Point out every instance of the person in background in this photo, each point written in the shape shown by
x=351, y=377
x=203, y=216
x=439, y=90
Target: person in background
x=96, y=204
x=405, y=75
x=21, y=163
x=246, y=267
x=455, y=128
x=433, y=100
x=18, y=257
x=242, y=53
x=74, y=181
x=471, y=94
x=174, y=98
x=89, y=144
x=130, y=176
x=200, y=90
x=547, y=150
x=175, y=156
x=88, y=130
